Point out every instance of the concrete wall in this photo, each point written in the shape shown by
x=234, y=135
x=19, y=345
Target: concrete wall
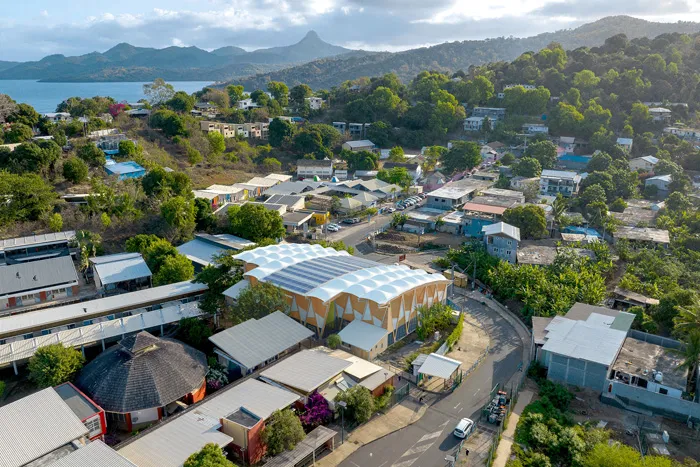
x=659, y=403
x=575, y=372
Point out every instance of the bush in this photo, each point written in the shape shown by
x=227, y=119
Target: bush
x=75, y=170
x=381, y=402
x=282, y=432
x=194, y=332
x=334, y=341
x=54, y=364
x=455, y=334
x=360, y=403
x=559, y=396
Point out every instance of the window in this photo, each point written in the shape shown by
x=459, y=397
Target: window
x=28, y=336
x=509, y=242
x=71, y=326
x=93, y=425
x=45, y=332
x=28, y=296
x=663, y=391
x=508, y=252
x=87, y=322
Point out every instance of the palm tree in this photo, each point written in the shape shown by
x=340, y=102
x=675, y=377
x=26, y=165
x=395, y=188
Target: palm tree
x=691, y=355
x=559, y=208
x=688, y=319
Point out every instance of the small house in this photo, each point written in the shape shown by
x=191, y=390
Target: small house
x=29, y=283
x=502, y=241
x=643, y=164
x=492, y=113
x=535, y=129
x=625, y=144
x=124, y=170
x=660, y=114
x=310, y=168
x=450, y=198
x=205, y=247
x=661, y=182
x=123, y=272
x=295, y=221
x=361, y=145
x=473, y=123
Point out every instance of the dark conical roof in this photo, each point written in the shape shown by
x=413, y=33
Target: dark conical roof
x=143, y=372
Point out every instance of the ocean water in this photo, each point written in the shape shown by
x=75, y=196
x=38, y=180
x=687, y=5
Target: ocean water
x=44, y=97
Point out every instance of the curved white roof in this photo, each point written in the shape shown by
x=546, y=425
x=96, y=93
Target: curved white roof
x=367, y=279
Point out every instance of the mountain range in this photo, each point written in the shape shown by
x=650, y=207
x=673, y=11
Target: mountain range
x=125, y=62
x=454, y=56
x=313, y=61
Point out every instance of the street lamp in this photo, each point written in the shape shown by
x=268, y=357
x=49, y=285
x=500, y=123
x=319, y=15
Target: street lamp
x=342, y=405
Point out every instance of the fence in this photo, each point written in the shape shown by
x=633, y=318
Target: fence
x=657, y=340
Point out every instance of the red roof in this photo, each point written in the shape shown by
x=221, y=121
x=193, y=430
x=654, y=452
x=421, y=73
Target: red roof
x=484, y=208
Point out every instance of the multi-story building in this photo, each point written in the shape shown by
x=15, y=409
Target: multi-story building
x=315, y=103
x=228, y=130
x=535, y=128
x=493, y=113
x=356, y=130
x=340, y=126
x=553, y=182
x=660, y=114
x=473, y=123
x=689, y=134
x=502, y=240
x=309, y=168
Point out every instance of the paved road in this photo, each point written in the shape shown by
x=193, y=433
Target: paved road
x=427, y=442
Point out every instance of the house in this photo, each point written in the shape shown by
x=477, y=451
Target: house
x=535, y=129
x=206, y=107
x=123, y=272
x=227, y=130
x=294, y=188
x=324, y=287
x=136, y=380
x=581, y=347
x=450, y=197
x=553, y=182
x=637, y=212
x=502, y=240
x=232, y=418
x=433, y=181
x=124, y=170
x=91, y=414
x=624, y=299
x=643, y=164
x=108, y=141
x=361, y=145
x=642, y=236
x=256, y=343
x=688, y=134
x=414, y=170
x=215, y=198
x=29, y=283
x=379, y=188
x=349, y=205
x=263, y=182
x=484, y=175
x=39, y=429
x=567, y=144
x=505, y=194
x=482, y=211
x=493, y=113
x=57, y=117
x=228, y=193
x=246, y=104
x=625, y=144
x=310, y=168
x=204, y=248
x=356, y=130
x=661, y=182
x=279, y=177
x=520, y=183
x=473, y=123
x=649, y=377
x=660, y=114
x=361, y=372
x=368, y=200
x=364, y=339
x=36, y=247
x=295, y=221
x=315, y=103
x=340, y=126
x=292, y=202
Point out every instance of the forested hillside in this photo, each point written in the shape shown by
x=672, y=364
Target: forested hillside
x=454, y=56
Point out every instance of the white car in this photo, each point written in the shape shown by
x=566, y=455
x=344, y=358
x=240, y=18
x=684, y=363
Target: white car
x=464, y=428
x=331, y=228
x=335, y=226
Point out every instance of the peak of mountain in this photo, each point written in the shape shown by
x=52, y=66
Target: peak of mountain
x=229, y=51
x=311, y=36
x=310, y=47
x=453, y=56
x=123, y=51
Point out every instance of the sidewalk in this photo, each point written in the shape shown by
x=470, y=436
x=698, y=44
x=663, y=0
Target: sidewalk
x=404, y=414
x=504, y=447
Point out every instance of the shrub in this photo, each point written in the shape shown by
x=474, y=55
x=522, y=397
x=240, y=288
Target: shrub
x=360, y=403
x=75, y=170
x=334, y=341
x=54, y=364
x=557, y=394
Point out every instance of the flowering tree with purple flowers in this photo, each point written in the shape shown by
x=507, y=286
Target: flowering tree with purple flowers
x=316, y=411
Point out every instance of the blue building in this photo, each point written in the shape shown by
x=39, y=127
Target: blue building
x=502, y=241
x=573, y=161
x=124, y=170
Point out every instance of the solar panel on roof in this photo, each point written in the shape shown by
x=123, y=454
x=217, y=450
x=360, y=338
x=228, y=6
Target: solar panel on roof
x=307, y=275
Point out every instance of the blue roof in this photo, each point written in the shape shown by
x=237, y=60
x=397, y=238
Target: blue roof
x=124, y=168
x=581, y=230
x=307, y=275
x=575, y=158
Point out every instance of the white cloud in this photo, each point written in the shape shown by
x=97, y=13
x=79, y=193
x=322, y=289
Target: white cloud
x=44, y=13
x=177, y=42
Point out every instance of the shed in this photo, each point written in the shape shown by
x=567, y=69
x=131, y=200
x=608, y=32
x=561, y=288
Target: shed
x=205, y=247
x=123, y=272
x=439, y=366
x=38, y=281
x=255, y=343
x=626, y=298
x=295, y=220
x=364, y=339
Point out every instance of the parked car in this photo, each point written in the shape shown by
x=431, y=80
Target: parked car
x=401, y=207
x=335, y=226
x=332, y=228
x=351, y=220
x=423, y=195
x=390, y=210
x=464, y=428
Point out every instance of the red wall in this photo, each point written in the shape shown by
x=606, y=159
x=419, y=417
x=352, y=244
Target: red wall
x=256, y=448
x=197, y=395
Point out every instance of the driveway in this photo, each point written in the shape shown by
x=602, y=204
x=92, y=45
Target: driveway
x=428, y=441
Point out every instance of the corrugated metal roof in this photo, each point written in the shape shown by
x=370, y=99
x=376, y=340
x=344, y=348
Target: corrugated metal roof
x=34, y=275
x=287, y=200
x=94, y=454
x=362, y=335
x=306, y=370
x=501, y=228
x=172, y=443
x=439, y=366
x=41, y=239
x=235, y=290
x=584, y=341
x=36, y=425
x=16, y=324
x=204, y=248
x=255, y=341
x=256, y=397
x=120, y=267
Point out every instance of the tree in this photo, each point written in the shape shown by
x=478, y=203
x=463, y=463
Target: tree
x=585, y=80
x=530, y=219
x=360, y=403
x=298, y=94
x=18, y=133
x=316, y=411
x=380, y=133
x=544, y=151
x=436, y=317
x=178, y=212
x=593, y=194
x=678, y=202
x=396, y=154
x=280, y=132
x=235, y=93
x=158, y=182
x=282, y=432
x=91, y=154
x=599, y=162
x=619, y=205
x=528, y=167
x=573, y=97
x=508, y=159
x=217, y=144
x=558, y=209
x=254, y=222
x=158, y=91
x=26, y=197
x=56, y=222
x=128, y=148
x=174, y=269
x=204, y=219
x=464, y=155
x=141, y=242
x=279, y=91
x=181, y=102
x=334, y=341
x=211, y=455
x=270, y=164
x=396, y=175
x=7, y=107
x=620, y=455
x=169, y=122
x=54, y=364
x=258, y=301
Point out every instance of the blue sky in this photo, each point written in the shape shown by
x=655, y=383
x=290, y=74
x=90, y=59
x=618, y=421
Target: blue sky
x=31, y=29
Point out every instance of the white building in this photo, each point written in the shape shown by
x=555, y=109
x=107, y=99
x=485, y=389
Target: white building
x=309, y=168
x=55, y=117
x=553, y=182
x=645, y=163
x=473, y=123
x=691, y=134
x=535, y=128
x=660, y=114
x=315, y=103
x=661, y=182
x=361, y=145
x=246, y=104
x=625, y=144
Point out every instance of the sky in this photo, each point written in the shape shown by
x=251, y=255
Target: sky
x=32, y=29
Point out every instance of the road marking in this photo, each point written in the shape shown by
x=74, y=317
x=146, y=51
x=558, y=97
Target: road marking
x=429, y=436
x=354, y=464
x=380, y=465
x=455, y=407
x=407, y=463
x=445, y=424
x=477, y=391
x=460, y=410
x=417, y=450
